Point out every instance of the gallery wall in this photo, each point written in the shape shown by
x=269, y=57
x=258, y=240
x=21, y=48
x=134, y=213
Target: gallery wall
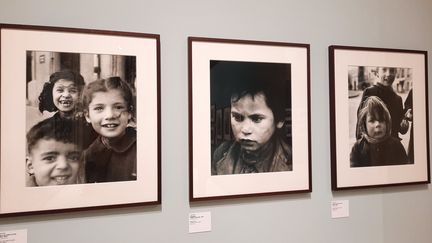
x=387, y=215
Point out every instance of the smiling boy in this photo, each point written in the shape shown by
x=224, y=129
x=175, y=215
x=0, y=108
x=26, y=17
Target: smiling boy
x=54, y=153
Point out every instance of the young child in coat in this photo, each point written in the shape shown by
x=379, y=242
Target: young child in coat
x=376, y=147
x=108, y=106
x=54, y=153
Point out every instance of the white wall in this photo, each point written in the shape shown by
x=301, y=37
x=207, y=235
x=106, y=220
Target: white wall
x=391, y=215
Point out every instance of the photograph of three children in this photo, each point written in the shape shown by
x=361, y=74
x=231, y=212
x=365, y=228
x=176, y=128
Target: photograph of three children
x=80, y=121
x=80, y=118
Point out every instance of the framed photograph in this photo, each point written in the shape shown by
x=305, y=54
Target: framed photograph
x=80, y=119
x=260, y=91
x=377, y=97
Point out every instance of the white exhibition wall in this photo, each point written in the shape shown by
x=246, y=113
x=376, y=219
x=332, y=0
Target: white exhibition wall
x=388, y=215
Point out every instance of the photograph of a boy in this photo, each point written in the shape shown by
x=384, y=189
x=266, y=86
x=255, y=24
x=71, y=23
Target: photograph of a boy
x=374, y=92
x=109, y=107
x=54, y=153
x=258, y=96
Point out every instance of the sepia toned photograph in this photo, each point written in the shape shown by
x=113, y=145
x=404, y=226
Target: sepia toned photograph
x=249, y=118
x=80, y=118
x=385, y=99
x=71, y=129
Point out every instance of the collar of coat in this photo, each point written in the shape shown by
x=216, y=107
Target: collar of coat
x=122, y=144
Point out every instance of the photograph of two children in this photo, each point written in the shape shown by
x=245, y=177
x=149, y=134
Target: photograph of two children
x=72, y=133
x=379, y=117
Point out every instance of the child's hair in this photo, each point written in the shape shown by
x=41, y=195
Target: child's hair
x=376, y=108
x=273, y=96
x=66, y=131
x=237, y=79
x=46, y=98
x=104, y=85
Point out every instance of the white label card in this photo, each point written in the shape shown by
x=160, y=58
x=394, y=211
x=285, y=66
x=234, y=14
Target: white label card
x=16, y=236
x=340, y=209
x=199, y=222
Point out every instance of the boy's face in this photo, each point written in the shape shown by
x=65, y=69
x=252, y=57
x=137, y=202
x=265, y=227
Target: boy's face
x=387, y=75
x=108, y=113
x=65, y=95
x=54, y=163
x=252, y=122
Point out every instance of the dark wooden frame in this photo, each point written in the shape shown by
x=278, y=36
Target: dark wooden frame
x=306, y=47
x=333, y=114
x=157, y=116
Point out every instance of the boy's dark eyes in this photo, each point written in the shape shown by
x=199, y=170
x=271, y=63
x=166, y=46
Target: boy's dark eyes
x=237, y=117
x=76, y=156
x=50, y=158
x=256, y=118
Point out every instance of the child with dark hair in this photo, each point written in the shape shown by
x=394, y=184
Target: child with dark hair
x=108, y=106
x=258, y=105
x=376, y=147
x=61, y=94
x=54, y=153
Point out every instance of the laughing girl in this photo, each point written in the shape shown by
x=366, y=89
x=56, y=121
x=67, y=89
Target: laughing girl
x=61, y=94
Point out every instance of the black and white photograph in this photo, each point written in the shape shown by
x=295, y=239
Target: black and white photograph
x=249, y=118
x=254, y=97
x=81, y=124
x=78, y=107
x=385, y=98
x=381, y=115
